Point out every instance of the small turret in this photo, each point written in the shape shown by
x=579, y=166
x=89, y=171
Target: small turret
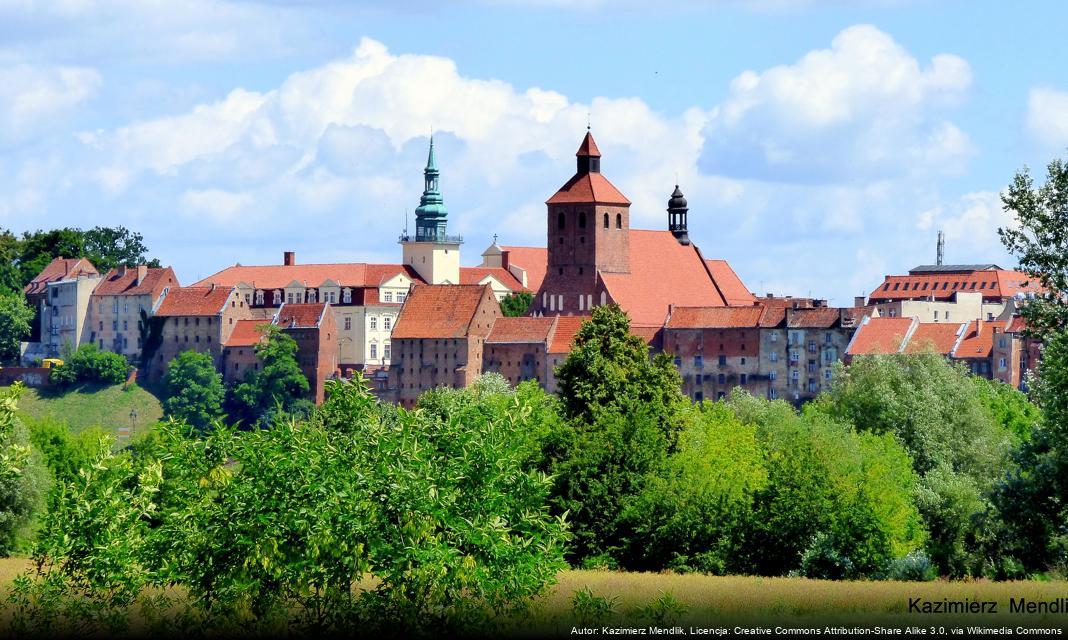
x=677, y=211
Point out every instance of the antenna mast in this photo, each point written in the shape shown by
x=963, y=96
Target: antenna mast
x=941, y=251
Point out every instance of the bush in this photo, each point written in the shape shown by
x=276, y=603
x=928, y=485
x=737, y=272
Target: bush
x=824, y=559
x=23, y=477
x=915, y=566
x=89, y=364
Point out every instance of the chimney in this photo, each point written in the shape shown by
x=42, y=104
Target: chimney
x=289, y=258
x=121, y=270
x=142, y=272
x=858, y=301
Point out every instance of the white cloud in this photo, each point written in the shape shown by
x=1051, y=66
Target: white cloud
x=32, y=97
x=971, y=225
x=865, y=108
x=214, y=202
x=1047, y=116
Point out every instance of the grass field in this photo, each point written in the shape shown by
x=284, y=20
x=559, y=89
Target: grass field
x=712, y=601
x=86, y=406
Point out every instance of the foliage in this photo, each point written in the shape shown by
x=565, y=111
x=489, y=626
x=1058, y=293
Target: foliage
x=278, y=384
x=89, y=364
x=914, y=566
x=823, y=559
x=64, y=452
x=1040, y=241
x=194, y=390
x=692, y=514
x=591, y=609
x=516, y=304
x=663, y=611
x=105, y=247
x=22, y=473
x=1009, y=407
x=15, y=320
x=110, y=247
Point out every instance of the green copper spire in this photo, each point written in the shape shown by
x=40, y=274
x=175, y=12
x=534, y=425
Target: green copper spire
x=431, y=215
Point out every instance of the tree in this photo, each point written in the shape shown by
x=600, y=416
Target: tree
x=1040, y=242
x=22, y=473
x=39, y=248
x=278, y=383
x=15, y=320
x=110, y=247
x=516, y=304
x=194, y=390
x=89, y=364
x=10, y=277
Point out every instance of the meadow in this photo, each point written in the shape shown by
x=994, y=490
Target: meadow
x=94, y=405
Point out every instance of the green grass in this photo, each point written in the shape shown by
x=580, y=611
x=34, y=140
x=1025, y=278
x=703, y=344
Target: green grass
x=85, y=406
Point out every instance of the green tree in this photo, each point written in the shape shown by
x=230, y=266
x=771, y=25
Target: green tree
x=23, y=479
x=87, y=363
x=110, y=247
x=38, y=248
x=15, y=319
x=10, y=276
x=279, y=383
x=194, y=390
x=516, y=304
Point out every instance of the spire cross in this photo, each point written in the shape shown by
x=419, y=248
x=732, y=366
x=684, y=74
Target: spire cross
x=495, y=238
x=587, y=121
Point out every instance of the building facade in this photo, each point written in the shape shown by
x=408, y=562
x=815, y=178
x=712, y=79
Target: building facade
x=199, y=319
x=121, y=305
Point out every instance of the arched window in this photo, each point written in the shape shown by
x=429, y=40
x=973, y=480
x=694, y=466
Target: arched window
x=619, y=221
x=582, y=219
x=560, y=221
x=606, y=221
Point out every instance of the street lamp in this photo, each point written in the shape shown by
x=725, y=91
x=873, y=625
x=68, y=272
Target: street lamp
x=133, y=419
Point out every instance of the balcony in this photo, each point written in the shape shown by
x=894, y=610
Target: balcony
x=441, y=237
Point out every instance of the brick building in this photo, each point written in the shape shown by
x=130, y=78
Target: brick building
x=439, y=338
x=121, y=304
x=201, y=319
x=517, y=348
x=313, y=328
x=239, y=352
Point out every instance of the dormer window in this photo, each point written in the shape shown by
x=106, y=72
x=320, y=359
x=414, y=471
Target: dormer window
x=277, y=298
x=259, y=296
x=346, y=296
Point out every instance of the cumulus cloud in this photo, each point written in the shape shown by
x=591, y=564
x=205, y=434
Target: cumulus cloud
x=971, y=224
x=864, y=108
x=1047, y=116
x=33, y=97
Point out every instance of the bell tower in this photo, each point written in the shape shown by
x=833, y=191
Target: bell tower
x=433, y=254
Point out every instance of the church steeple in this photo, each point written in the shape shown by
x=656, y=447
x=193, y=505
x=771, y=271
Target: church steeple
x=431, y=215
x=677, y=212
x=589, y=156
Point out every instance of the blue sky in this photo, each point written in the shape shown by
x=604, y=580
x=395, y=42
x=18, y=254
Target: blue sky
x=821, y=144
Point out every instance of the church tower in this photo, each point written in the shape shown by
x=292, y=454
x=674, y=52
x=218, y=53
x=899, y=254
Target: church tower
x=432, y=253
x=588, y=231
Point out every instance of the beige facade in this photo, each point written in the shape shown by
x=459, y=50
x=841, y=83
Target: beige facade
x=964, y=306
x=436, y=262
x=64, y=312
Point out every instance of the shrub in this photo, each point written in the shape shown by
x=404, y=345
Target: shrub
x=914, y=566
x=592, y=609
x=23, y=478
x=89, y=364
x=824, y=559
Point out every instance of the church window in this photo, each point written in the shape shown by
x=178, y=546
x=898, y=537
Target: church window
x=580, y=304
x=561, y=221
x=606, y=221
x=560, y=301
x=603, y=298
x=619, y=221
x=589, y=299
x=582, y=219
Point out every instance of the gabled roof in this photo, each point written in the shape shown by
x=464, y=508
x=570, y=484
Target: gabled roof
x=730, y=285
x=662, y=273
x=123, y=282
x=819, y=318
x=991, y=283
x=715, y=317
x=475, y=275
x=978, y=339
x=533, y=260
x=521, y=330
x=194, y=301
x=588, y=188
x=300, y=316
x=246, y=333
x=276, y=276
x=440, y=311
x=59, y=269
x=880, y=336
x=564, y=333
x=940, y=336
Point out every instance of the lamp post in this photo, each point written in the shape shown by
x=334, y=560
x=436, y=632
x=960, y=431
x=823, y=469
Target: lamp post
x=133, y=420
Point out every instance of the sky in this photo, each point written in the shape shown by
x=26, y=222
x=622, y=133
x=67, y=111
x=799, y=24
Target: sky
x=821, y=144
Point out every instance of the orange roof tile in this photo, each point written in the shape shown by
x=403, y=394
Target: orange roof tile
x=1016, y=324
x=276, y=276
x=246, y=333
x=439, y=311
x=564, y=333
x=125, y=284
x=59, y=269
x=512, y=330
x=300, y=316
x=730, y=285
x=715, y=317
x=475, y=275
x=533, y=260
x=588, y=147
x=194, y=301
x=588, y=188
x=940, y=336
x=662, y=273
x=821, y=318
x=880, y=336
x=978, y=340
x=991, y=283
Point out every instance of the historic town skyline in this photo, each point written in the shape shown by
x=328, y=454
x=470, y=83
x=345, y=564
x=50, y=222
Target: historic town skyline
x=815, y=160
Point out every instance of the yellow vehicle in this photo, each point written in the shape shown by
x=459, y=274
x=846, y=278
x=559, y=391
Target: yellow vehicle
x=49, y=363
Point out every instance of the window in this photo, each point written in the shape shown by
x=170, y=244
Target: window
x=795, y=356
x=619, y=221
x=827, y=374
x=277, y=297
x=606, y=221
x=812, y=385
x=772, y=375
x=125, y=325
x=723, y=361
x=401, y=297
x=389, y=296
x=115, y=306
x=386, y=350
x=812, y=366
x=774, y=336
x=772, y=394
x=744, y=379
x=114, y=325
x=893, y=313
x=290, y=298
x=259, y=297
x=1001, y=364
x=387, y=322
x=374, y=351
x=374, y=323
x=678, y=361
x=101, y=325
x=812, y=346
x=125, y=306
x=743, y=361
x=698, y=396
x=561, y=220
x=723, y=378
x=774, y=356
x=827, y=337
x=346, y=296
x=348, y=323
x=699, y=362
x=582, y=219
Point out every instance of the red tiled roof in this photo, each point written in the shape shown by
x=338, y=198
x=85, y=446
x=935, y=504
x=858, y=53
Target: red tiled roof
x=880, y=336
x=564, y=333
x=977, y=344
x=300, y=316
x=475, y=275
x=586, y=188
x=439, y=311
x=276, y=276
x=991, y=283
x=533, y=260
x=512, y=330
x=246, y=333
x=1016, y=324
x=715, y=317
x=730, y=285
x=588, y=147
x=194, y=301
x=662, y=273
x=941, y=336
x=821, y=318
x=59, y=269
x=126, y=284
